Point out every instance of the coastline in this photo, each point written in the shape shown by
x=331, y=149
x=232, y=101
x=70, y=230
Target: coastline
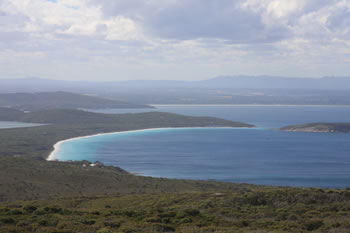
x=56, y=146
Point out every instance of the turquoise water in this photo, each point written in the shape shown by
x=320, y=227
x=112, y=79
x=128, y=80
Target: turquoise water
x=13, y=124
x=257, y=156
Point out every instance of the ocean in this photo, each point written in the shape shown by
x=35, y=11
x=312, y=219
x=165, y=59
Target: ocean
x=263, y=155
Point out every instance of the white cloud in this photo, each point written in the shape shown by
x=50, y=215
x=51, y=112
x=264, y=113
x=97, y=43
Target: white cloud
x=196, y=36
x=73, y=17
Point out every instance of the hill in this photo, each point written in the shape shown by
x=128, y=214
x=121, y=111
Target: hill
x=320, y=127
x=220, y=90
x=276, y=82
x=233, y=81
x=59, y=100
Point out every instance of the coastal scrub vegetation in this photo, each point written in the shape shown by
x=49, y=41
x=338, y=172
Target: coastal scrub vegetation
x=271, y=210
x=35, y=178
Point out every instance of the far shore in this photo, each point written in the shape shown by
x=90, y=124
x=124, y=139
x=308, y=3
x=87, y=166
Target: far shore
x=56, y=147
x=255, y=105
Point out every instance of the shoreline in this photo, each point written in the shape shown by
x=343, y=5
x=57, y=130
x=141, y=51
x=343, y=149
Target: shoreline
x=56, y=146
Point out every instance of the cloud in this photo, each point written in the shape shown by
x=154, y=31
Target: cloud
x=206, y=36
x=196, y=19
x=71, y=17
x=241, y=21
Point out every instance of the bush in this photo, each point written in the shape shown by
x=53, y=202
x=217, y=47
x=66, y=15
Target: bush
x=164, y=228
x=88, y=222
x=104, y=230
x=7, y=221
x=257, y=199
x=29, y=208
x=43, y=223
x=53, y=210
x=112, y=224
x=187, y=213
x=313, y=225
x=95, y=213
x=16, y=212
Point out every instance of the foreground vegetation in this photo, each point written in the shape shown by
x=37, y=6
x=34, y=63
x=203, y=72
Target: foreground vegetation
x=32, y=179
x=275, y=210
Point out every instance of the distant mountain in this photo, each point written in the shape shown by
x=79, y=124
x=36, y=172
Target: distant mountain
x=219, y=90
x=269, y=82
x=59, y=100
x=240, y=82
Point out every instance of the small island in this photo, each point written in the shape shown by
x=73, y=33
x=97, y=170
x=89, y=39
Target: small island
x=319, y=128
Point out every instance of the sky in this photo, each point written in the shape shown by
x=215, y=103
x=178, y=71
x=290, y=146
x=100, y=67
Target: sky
x=100, y=40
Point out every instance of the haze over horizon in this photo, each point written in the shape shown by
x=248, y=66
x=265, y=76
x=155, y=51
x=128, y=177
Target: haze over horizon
x=173, y=39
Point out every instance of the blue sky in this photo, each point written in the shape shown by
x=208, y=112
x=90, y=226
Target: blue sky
x=173, y=39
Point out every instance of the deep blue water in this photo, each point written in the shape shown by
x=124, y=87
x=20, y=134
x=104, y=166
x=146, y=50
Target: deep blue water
x=258, y=156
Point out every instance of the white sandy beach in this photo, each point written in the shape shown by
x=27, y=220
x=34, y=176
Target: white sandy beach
x=52, y=155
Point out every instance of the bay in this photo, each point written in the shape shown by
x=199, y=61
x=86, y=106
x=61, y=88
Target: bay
x=263, y=155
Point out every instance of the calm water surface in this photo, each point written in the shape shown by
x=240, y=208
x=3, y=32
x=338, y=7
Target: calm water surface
x=258, y=156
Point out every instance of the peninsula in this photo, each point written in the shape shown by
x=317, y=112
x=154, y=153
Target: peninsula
x=64, y=124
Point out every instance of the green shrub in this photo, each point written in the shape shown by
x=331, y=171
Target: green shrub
x=95, y=213
x=43, y=222
x=7, y=220
x=29, y=208
x=88, y=222
x=112, y=224
x=164, y=228
x=313, y=225
x=16, y=212
x=104, y=230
